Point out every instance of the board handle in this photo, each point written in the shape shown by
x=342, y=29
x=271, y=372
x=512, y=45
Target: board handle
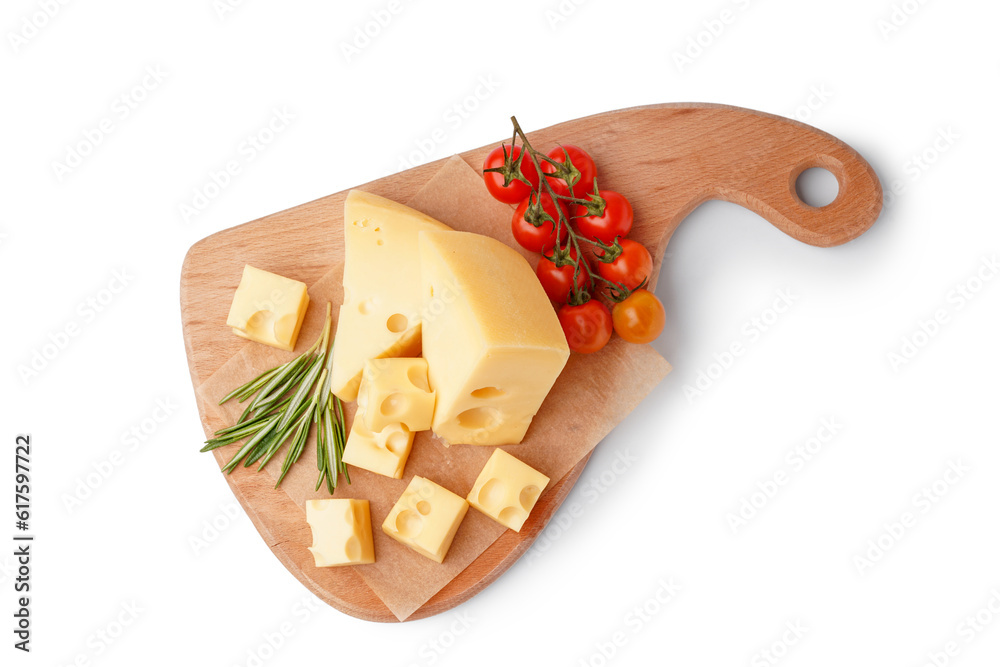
x=760, y=159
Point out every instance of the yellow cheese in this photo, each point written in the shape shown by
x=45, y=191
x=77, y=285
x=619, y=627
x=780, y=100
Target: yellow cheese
x=380, y=316
x=395, y=391
x=426, y=518
x=492, y=342
x=342, y=532
x=506, y=490
x=383, y=452
x=268, y=308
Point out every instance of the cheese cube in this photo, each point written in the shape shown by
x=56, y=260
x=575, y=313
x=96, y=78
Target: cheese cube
x=506, y=490
x=380, y=316
x=383, y=452
x=342, y=532
x=395, y=391
x=426, y=518
x=492, y=341
x=268, y=308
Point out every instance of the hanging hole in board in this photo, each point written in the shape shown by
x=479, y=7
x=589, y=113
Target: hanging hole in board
x=817, y=187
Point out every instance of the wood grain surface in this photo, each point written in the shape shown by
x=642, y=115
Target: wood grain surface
x=667, y=159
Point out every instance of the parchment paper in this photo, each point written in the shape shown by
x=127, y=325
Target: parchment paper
x=593, y=394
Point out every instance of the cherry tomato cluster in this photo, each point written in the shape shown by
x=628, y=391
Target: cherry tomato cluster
x=581, y=232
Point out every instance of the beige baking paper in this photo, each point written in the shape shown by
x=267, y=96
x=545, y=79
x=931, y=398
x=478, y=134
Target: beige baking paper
x=593, y=394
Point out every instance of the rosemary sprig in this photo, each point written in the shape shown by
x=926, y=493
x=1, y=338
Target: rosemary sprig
x=289, y=399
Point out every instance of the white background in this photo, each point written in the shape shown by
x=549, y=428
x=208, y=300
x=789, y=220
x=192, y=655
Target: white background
x=131, y=543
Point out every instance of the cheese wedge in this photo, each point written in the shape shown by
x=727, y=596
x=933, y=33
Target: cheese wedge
x=380, y=316
x=492, y=341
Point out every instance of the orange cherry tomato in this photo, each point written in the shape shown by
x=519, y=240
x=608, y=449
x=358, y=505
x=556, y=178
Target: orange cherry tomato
x=640, y=318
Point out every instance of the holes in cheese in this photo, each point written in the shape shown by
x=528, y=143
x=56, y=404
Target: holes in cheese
x=507, y=489
x=393, y=405
x=492, y=494
x=529, y=495
x=268, y=308
x=487, y=392
x=426, y=518
x=491, y=339
x=409, y=524
x=342, y=532
x=397, y=323
x=382, y=277
x=479, y=419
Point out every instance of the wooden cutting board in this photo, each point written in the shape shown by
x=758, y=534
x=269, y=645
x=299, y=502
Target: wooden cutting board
x=667, y=159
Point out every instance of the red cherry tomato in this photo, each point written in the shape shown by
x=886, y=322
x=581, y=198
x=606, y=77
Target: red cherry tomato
x=587, y=327
x=543, y=237
x=584, y=174
x=516, y=190
x=616, y=221
x=557, y=281
x=634, y=265
x=639, y=318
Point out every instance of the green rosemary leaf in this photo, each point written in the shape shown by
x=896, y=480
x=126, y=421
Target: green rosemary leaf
x=248, y=447
x=289, y=369
x=295, y=450
x=292, y=380
x=276, y=444
x=251, y=385
x=329, y=441
x=300, y=395
x=252, y=424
